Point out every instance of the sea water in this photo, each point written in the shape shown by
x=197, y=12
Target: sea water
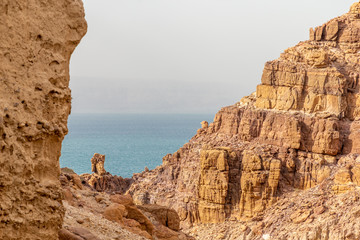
x=130, y=142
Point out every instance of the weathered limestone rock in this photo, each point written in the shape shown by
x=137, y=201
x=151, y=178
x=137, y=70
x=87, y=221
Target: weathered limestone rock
x=97, y=164
x=150, y=221
x=204, y=124
x=213, y=185
x=347, y=177
x=132, y=212
x=259, y=183
x=167, y=217
x=107, y=183
x=355, y=8
x=115, y=212
x=355, y=174
x=300, y=216
x=103, y=181
x=37, y=40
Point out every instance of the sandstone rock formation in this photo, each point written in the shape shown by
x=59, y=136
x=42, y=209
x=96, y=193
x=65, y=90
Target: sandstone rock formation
x=298, y=132
x=92, y=215
x=37, y=39
x=97, y=164
x=103, y=181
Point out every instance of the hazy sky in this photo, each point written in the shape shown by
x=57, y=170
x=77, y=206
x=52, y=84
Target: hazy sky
x=184, y=56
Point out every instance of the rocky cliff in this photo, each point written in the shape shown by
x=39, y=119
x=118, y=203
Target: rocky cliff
x=37, y=39
x=299, y=131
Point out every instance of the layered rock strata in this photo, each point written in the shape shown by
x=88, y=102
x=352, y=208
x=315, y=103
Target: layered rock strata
x=286, y=137
x=37, y=39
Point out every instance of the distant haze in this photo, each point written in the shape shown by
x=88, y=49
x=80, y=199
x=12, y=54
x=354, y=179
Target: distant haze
x=184, y=56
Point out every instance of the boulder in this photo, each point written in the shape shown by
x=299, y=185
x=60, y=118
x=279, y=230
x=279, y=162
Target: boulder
x=115, y=212
x=167, y=217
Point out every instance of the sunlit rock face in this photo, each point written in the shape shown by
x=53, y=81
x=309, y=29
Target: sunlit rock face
x=291, y=135
x=101, y=180
x=37, y=39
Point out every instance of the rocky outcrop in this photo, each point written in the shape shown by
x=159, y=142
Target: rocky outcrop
x=214, y=184
x=103, y=181
x=298, y=131
x=37, y=39
x=97, y=164
x=97, y=215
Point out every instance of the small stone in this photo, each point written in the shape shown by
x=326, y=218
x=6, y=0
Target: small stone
x=319, y=210
x=309, y=220
x=243, y=228
x=77, y=181
x=115, y=212
x=81, y=221
x=221, y=236
x=68, y=196
x=300, y=216
x=99, y=198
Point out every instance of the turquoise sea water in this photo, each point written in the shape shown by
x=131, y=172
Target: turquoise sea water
x=129, y=141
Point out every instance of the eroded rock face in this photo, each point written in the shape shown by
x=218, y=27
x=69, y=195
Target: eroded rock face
x=97, y=164
x=299, y=130
x=37, y=39
x=103, y=181
x=213, y=184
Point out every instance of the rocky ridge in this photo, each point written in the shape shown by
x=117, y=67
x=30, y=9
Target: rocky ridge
x=37, y=39
x=295, y=138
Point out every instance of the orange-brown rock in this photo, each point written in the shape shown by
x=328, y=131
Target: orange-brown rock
x=213, y=184
x=204, y=124
x=68, y=178
x=347, y=177
x=115, y=212
x=167, y=217
x=107, y=183
x=300, y=130
x=355, y=174
x=68, y=196
x=145, y=224
x=150, y=221
x=103, y=181
x=97, y=164
x=300, y=216
x=37, y=39
x=125, y=200
x=132, y=212
x=77, y=181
